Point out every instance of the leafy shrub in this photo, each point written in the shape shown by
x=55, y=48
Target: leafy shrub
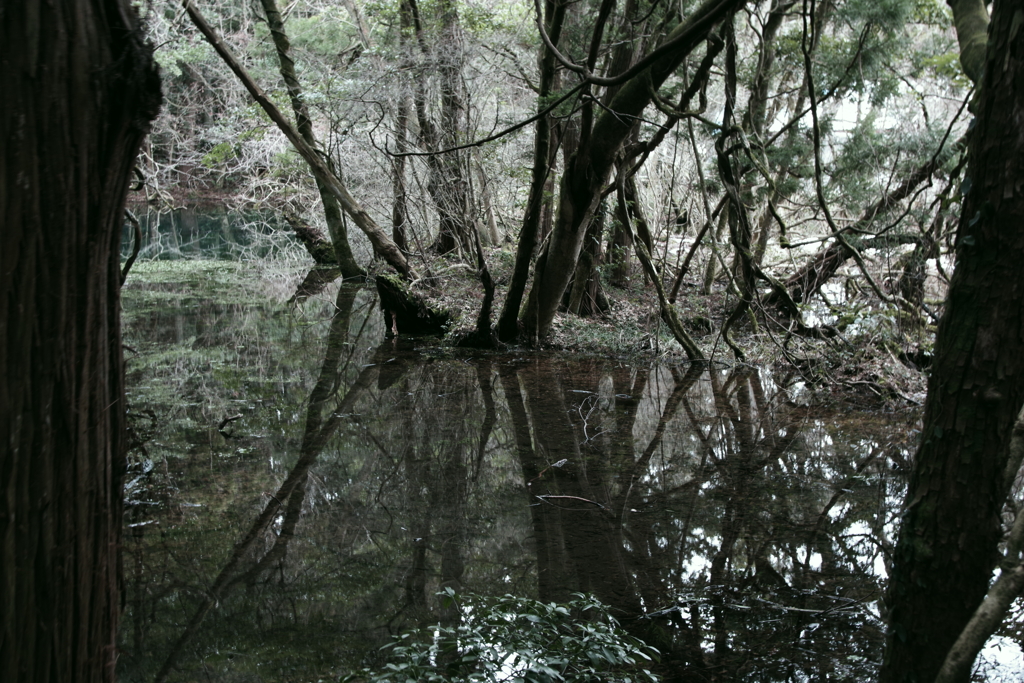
x=516, y=639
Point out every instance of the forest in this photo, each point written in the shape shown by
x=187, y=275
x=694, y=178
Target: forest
x=751, y=267
x=792, y=176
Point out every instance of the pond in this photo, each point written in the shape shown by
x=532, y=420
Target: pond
x=191, y=232
x=303, y=487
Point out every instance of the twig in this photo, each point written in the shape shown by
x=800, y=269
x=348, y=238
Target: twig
x=547, y=498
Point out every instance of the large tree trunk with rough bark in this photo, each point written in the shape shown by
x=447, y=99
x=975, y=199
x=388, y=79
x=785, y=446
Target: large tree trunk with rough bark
x=79, y=88
x=947, y=547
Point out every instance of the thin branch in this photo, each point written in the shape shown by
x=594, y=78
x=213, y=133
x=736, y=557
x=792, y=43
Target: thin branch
x=491, y=138
x=808, y=18
x=683, y=269
x=137, y=243
x=668, y=311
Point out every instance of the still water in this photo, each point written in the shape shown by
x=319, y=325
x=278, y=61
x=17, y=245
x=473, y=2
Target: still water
x=303, y=488
x=189, y=232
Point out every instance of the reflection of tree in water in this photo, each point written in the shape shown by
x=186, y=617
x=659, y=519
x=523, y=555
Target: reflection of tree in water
x=721, y=523
x=275, y=526
x=351, y=544
x=725, y=527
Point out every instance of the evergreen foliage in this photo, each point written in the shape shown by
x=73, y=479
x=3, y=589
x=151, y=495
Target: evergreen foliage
x=515, y=639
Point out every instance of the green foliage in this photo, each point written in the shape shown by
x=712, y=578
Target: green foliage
x=794, y=153
x=866, y=33
x=326, y=34
x=220, y=154
x=172, y=57
x=510, y=638
x=933, y=12
x=865, y=151
x=483, y=20
x=288, y=163
x=383, y=11
x=938, y=54
x=890, y=16
x=946, y=66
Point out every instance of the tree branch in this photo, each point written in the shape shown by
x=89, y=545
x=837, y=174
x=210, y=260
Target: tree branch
x=970, y=17
x=382, y=244
x=989, y=615
x=668, y=311
x=696, y=25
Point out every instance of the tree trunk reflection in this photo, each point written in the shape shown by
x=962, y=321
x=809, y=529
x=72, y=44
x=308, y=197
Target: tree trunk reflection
x=741, y=534
x=711, y=530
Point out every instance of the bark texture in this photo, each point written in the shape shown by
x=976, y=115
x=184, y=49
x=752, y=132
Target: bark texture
x=79, y=88
x=508, y=321
x=989, y=616
x=947, y=546
x=317, y=245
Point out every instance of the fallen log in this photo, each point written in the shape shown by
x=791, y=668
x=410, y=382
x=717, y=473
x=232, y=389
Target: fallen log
x=407, y=313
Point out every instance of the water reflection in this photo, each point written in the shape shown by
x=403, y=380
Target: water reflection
x=191, y=232
x=742, y=534
x=731, y=531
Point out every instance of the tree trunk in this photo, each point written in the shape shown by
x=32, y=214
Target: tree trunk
x=755, y=120
x=620, y=248
x=620, y=245
x=316, y=243
x=303, y=124
x=399, y=205
x=448, y=182
x=80, y=88
x=740, y=233
x=971, y=20
x=586, y=176
x=489, y=234
x=383, y=246
x=399, y=192
x=585, y=297
x=947, y=546
x=456, y=229
x=543, y=161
